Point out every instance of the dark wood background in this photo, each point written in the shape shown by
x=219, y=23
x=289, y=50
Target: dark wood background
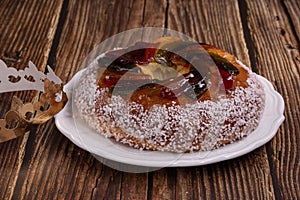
x=264, y=34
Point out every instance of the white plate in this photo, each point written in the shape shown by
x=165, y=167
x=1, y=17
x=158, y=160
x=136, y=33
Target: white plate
x=68, y=122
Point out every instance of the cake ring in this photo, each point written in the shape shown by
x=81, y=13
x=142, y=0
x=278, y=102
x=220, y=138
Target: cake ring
x=170, y=95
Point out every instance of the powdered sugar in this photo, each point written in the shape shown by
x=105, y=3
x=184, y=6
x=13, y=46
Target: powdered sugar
x=179, y=128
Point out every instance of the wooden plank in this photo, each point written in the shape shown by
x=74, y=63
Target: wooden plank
x=134, y=186
x=26, y=33
x=293, y=8
x=225, y=180
x=164, y=184
x=278, y=60
x=76, y=174
x=245, y=177
x=154, y=15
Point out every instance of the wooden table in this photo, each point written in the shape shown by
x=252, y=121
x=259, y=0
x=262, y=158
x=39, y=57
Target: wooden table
x=46, y=165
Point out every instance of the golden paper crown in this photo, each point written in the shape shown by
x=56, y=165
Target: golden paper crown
x=22, y=116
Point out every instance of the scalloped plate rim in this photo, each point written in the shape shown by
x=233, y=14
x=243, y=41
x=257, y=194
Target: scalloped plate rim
x=185, y=159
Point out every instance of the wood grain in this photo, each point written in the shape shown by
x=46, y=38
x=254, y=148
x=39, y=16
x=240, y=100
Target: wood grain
x=164, y=184
x=134, y=186
x=292, y=12
x=22, y=39
x=277, y=55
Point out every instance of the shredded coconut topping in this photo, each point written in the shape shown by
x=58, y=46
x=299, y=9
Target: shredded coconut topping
x=201, y=126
